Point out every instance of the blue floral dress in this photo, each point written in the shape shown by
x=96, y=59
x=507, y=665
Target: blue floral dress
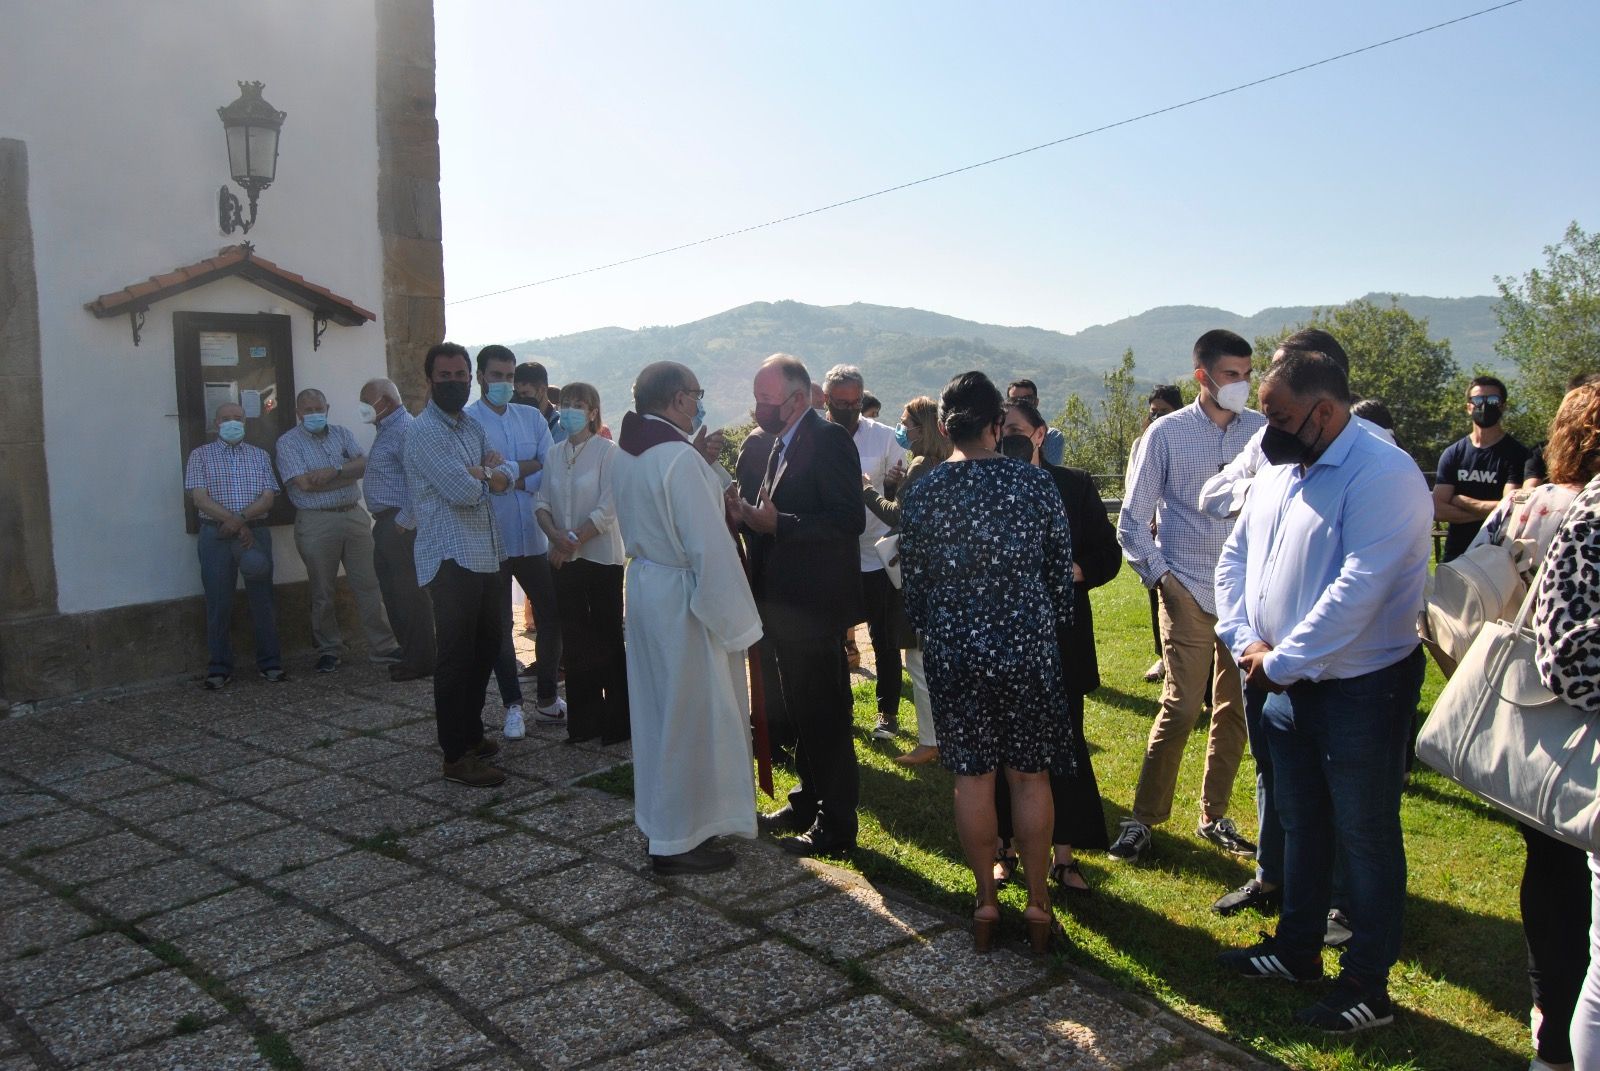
x=986, y=557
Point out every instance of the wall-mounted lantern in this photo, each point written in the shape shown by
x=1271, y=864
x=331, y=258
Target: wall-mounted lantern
x=252, y=127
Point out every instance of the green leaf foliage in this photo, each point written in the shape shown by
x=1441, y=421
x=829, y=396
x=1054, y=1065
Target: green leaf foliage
x=1550, y=323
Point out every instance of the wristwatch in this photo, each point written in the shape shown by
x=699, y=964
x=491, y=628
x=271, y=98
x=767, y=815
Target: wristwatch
x=572, y=535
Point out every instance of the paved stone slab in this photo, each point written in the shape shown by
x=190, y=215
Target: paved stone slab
x=208, y=756
x=864, y=1032
x=394, y=813
x=45, y=832
x=40, y=924
x=264, y=776
x=462, y=799
x=277, y=851
x=321, y=985
x=1069, y=1028
x=758, y=869
x=15, y=890
x=176, y=797
x=408, y=768
x=942, y=973
x=593, y=1016
x=312, y=800
x=459, y=933
x=116, y=781
x=583, y=893
x=352, y=751
x=221, y=1048
x=157, y=888
x=71, y=968
x=405, y=911
x=15, y=806
x=577, y=813
x=492, y=863
x=852, y=924
x=214, y=825
x=104, y=1021
x=55, y=764
x=241, y=945
x=757, y=984
x=411, y=1034
x=297, y=738
x=206, y=913
x=697, y=1052
x=345, y=878
x=509, y=965
x=660, y=935
x=99, y=858
x=450, y=835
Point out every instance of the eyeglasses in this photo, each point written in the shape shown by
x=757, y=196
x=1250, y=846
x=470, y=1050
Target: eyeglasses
x=1485, y=399
x=701, y=393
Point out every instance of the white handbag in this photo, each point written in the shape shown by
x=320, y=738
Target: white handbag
x=1498, y=732
x=1482, y=585
x=888, y=549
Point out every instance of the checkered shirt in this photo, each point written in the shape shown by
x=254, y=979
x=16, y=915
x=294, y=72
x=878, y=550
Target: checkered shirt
x=299, y=452
x=234, y=476
x=451, y=508
x=1175, y=458
x=384, y=485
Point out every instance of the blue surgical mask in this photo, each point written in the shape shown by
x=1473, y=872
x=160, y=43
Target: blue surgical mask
x=902, y=436
x=573, y=420
x=499, y=393
x=316, y=422
x=232, y=431
x=699, y=414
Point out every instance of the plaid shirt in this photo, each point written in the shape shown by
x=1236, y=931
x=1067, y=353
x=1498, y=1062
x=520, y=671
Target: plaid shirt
x=1175, y=458
x=384, y=485
x=300, y=452
x=450, y=506
x=234, y=476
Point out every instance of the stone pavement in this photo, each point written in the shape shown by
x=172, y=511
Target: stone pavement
x=277, y=877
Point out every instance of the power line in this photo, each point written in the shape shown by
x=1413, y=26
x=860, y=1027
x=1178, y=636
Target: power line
x=994, y=159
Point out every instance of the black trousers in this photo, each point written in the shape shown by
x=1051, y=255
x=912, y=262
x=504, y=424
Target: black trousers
x=466, y=619
x=532, y=571
x=408, y=606
x=1555, y=921
x=814, y=680
x=1080, y=815
x=880, y=599
x=590, y=598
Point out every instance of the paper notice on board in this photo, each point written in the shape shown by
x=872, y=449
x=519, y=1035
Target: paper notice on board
x=251, y=400
x=217, y=395
x=219, y=347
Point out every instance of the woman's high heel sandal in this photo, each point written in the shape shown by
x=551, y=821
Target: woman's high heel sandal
x=1044, y=934
x=983, y=934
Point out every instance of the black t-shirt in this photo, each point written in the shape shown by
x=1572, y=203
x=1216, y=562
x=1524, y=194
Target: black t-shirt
x=1478, y=472
x=1535, y=468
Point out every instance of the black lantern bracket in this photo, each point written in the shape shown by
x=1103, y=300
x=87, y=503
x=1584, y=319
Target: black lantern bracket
x=319, y=325
x=230, y=213
x=136, y=321
x=252, y=128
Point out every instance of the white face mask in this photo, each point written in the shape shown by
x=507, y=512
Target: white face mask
x=366, y=413
x=1234, y=396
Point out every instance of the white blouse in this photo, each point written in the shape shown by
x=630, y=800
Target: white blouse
x=577, y=488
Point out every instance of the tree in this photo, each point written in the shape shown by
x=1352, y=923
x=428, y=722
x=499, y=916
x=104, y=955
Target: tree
x=1550, y=324
x=1393, y=359
x=1100, y=442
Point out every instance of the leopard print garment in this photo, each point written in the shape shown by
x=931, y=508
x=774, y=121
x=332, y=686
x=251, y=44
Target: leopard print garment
x=1566, y=617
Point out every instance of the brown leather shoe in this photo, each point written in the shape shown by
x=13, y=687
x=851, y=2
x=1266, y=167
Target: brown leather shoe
x=471, y=771
x=486, y=749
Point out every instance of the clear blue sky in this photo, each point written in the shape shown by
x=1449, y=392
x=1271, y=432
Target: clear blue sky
x=577, y=134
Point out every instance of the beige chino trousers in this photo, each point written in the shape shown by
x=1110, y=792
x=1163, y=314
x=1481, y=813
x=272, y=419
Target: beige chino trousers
x=1189, y=647
x=325, y=538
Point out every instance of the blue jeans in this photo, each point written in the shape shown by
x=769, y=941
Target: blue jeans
x=1338, y=751
x=222, y=561
x=1269, y=831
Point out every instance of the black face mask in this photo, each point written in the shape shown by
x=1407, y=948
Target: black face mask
x=451, y=396
x=1017, y=446
x=845, y=418
x=517, y=399
x=1283, y=448
x=1487, y=416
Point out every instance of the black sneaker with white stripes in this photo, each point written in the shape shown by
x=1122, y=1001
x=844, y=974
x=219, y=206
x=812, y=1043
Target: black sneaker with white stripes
x=1267, y=960
x=1351, y=1006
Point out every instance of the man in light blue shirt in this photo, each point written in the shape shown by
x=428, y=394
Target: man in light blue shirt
x=1317, y=591
x=519, y=433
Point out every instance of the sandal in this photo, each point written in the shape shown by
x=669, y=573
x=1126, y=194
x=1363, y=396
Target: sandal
x=1045, y=935
x=984, y=931
x=1008, y=867
x=1059, y=873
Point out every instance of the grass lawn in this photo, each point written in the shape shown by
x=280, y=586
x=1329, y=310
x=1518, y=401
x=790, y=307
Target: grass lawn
x=1460, y=986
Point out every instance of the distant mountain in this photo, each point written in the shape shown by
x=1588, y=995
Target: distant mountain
x=907, y=352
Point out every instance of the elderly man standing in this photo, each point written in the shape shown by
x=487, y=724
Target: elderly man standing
x=394, y=531
x=320, y=464
x=1318, y=589
x=232, y=487
x=690, y=620
x=452, y=473
x=800, y=513
x=521, y=436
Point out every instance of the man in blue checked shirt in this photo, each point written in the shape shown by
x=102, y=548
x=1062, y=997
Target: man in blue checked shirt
x=1318, y=589
x=1176, y=456
x=394, y=531
x=320, y=464
x=232, y=487
x=453, y=474
x=522, y=437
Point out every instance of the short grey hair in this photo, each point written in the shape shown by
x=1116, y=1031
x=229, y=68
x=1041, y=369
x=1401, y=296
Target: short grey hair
x=373, y=389
x=843, y=373
x=310, y=394
x=658, y=384
x=794, y=371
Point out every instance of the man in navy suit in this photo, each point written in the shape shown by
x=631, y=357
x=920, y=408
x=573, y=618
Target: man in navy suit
x=799, y=511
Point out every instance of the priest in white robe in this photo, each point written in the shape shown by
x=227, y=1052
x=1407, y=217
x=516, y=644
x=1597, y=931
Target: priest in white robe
x=690, y=618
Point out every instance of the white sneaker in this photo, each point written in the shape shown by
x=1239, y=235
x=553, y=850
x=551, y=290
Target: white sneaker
x=554, y=714
x=515, y=729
